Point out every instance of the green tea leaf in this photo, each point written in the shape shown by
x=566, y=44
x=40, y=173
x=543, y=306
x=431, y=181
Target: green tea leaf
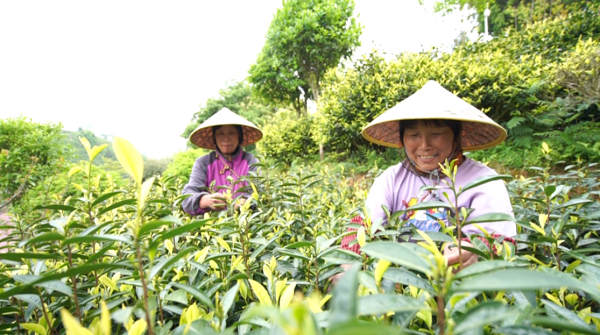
x=97, y=238
x=483, y=267
x=196, y=294
x=490, y=217
x=34, y=328
x=486, y=313
x=399, y=253
x=165, y=263
x=378, y=304
x=229, y=298
x=129, y=158
x=561, y=325
x=402, y=276
x=177, y=296
x=105, y=197
x=484, y=180
x=344, y=301
x=47, y=237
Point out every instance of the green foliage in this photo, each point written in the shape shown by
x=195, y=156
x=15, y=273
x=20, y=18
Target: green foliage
x=288, y=137
x=182, y=163
x=513, y=79
x=153, y=268
x=580, y=75
x=237, y=97
x=515, y=14
x=490, y=81
x=155, y=167
x=305, y=39
x=72, y=140
x=29, y=152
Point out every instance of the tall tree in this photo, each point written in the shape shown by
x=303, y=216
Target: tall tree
x=304, y=40
x=514, y=14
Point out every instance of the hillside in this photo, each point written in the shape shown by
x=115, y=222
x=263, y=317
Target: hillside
x=72, y=139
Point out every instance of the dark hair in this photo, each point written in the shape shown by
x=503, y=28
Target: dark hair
x=454, y=125
x=239, y=129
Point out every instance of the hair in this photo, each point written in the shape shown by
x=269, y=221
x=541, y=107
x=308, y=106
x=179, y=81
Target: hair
x=454, y=125
x=239, y=129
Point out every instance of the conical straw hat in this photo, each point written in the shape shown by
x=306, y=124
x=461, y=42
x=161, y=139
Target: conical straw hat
x=433, y=101
x=203, y=135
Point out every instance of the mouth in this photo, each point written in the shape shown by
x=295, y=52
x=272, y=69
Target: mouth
x=423, y=157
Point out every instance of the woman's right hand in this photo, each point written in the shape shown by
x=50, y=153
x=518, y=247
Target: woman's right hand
x=214, y=202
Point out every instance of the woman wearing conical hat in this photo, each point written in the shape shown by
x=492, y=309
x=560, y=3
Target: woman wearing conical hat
x=433, y=125
x=225, y=133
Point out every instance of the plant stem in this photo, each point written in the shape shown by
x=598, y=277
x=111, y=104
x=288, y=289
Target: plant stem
x=458, y=224
x=14, y=302
x=441, y=315
x=317, y=273
x=557, y=257
x=145, y=289
x=162, y=317
x=74, y=280
x=44, y=311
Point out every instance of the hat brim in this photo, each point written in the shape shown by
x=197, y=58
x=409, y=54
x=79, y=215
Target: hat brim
x=203, y=135
x=434, y=102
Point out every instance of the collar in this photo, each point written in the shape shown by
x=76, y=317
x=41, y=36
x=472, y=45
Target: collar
x=234, y=158
x=432, y=174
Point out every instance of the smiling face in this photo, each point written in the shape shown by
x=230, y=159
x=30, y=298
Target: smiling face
x=428, y=145
x=228, y=139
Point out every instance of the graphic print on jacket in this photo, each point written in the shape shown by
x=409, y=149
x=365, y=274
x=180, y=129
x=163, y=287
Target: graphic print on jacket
x=425, y=220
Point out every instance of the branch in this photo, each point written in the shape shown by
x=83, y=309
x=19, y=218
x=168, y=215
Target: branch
x=20, y=189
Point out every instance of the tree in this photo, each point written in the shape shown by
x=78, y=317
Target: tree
x=515, y=14
x=183, y=162
x=237, y=97
x=304, y=40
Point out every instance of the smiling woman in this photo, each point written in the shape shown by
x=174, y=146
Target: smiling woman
x=225, y=133
x=433, y=125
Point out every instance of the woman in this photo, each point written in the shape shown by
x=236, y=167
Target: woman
x=225, y=133
x=433, y=125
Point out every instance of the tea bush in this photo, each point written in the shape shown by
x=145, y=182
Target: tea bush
x=113, y=259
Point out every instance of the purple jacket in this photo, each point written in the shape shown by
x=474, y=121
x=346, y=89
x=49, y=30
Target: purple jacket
x=398, y=189
x=209, y=168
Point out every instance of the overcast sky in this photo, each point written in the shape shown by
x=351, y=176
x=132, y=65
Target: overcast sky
x=141, y=69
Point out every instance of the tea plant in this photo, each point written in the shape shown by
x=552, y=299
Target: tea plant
x=116, y=260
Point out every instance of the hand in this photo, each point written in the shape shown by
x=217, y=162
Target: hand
x=214, y=202
x=335, y=278
x=239, y=203
x=451, y=255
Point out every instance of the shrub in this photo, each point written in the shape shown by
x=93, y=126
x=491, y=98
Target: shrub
x=29, y=152
x=288, y=137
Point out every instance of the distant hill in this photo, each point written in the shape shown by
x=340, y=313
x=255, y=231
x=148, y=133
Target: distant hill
x=72, y=139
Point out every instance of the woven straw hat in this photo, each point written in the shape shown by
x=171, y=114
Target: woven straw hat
x=433, y=101
x=203, y=135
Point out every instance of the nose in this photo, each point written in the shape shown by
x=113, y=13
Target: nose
x=425, y=142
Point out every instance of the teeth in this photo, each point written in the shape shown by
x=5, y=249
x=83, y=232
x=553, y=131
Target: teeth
x=426, y=157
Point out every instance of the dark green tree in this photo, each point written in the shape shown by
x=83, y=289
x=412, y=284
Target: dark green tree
x=304, y=40
x=515, y=14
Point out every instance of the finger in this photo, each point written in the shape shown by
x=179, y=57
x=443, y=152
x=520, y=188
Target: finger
x=452, y=257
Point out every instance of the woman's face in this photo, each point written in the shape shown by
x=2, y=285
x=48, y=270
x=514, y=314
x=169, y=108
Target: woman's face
x=428, y=146
x=227, y=139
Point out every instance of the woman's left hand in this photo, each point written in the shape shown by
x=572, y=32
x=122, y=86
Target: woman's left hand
x=452, y=256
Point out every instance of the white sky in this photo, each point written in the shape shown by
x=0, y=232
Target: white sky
x=140, y=69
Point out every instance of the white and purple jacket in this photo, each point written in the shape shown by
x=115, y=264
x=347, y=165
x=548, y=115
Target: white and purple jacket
x=211, y=167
